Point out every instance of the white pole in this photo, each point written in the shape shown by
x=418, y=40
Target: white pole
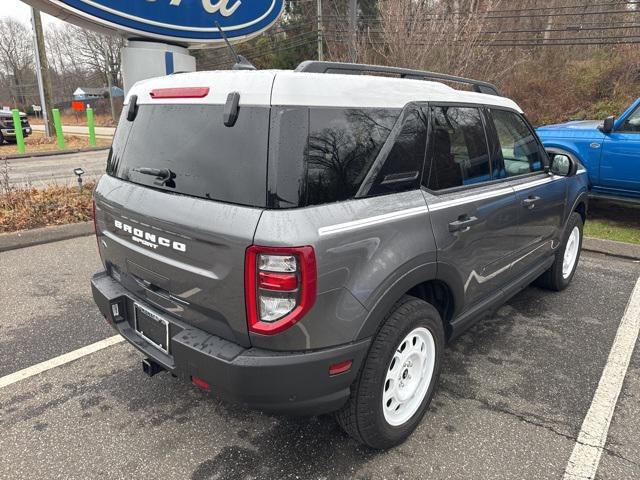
x=43, y=103
x=320, y=39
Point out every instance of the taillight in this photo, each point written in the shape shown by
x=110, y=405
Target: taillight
x=184, y=92
x=280, y=284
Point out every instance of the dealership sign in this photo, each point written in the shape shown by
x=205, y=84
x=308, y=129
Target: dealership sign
x=185, y=21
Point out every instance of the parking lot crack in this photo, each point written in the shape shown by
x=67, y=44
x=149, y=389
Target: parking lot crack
x=538, y=423
x=520, y=416
x=617, y=455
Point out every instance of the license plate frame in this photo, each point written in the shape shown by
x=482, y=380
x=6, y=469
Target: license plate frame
x=153, y=316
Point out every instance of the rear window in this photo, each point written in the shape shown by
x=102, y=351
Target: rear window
x=205, y=158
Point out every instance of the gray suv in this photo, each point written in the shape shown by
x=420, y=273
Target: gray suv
x=308, y=241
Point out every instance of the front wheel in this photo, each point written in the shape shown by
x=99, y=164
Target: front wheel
x=399, y=376
x=559, y=276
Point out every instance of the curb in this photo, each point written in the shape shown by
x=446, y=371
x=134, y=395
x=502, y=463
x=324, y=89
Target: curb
x=39, y=236
x=52, y=153
x=629, y=251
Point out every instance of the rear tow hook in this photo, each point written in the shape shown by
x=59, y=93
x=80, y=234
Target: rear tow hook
x=151, y=368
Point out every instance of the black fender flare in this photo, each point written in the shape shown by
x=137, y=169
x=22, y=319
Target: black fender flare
x=415, y=276
x=583, y=197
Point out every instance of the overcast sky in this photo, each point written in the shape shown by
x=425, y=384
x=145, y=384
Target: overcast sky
x=21, y=11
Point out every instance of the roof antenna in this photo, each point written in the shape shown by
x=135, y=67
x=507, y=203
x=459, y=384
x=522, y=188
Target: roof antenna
x=241, y=62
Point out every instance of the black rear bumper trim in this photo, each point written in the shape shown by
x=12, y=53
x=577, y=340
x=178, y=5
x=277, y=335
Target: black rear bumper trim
x=296, y=383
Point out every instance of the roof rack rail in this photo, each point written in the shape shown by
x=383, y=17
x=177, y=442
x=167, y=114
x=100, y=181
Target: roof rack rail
x=313, y=66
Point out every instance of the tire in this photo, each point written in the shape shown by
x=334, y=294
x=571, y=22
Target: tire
x=1, y=139
x=418, y=326
x=557, y=278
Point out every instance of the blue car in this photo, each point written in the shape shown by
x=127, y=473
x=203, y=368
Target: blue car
x=610, y=151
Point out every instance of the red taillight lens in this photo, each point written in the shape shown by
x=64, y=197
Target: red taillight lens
x=187, y=92
x=280, y=284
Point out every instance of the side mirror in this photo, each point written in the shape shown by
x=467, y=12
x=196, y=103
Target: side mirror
x=561, y=165
x=607, y=126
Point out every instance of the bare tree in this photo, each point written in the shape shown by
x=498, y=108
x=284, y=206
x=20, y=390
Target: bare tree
x=16, y=58
x=97, y=52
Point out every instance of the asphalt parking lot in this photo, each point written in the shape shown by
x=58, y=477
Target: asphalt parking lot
x=43, y=171
x=514, y=393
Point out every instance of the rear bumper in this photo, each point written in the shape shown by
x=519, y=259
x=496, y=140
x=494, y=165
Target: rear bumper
x=296, y=383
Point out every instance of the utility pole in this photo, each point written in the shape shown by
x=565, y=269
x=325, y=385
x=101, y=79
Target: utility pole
x=107, y=59
x=353, y=26
x=320, y=39
x=42, y=71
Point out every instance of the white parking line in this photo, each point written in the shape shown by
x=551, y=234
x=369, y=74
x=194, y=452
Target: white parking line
x=585, y=458
x=57, y=361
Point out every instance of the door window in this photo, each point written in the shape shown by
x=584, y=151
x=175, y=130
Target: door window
x=632, y=123
x=458, y=153
x=518, y=152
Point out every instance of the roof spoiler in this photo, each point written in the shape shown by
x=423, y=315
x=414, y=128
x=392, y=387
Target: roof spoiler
x=312, y=66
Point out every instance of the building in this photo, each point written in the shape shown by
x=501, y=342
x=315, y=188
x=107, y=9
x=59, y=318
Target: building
x=82, y=93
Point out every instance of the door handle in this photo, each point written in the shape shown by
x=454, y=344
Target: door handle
x=463, y=223
x=530, y=202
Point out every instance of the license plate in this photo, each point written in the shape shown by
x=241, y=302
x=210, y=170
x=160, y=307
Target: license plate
x=152, y=327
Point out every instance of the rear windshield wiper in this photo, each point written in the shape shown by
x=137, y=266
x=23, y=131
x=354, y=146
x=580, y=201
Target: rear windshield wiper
x=156, y=172
x=164, y=176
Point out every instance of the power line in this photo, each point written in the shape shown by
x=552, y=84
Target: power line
x=258, y=52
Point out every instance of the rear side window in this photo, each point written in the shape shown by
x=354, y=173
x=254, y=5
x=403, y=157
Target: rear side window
x=205, y=158
x=458, y=153
x=519, y=152
x=400, y=166
x=342, y=146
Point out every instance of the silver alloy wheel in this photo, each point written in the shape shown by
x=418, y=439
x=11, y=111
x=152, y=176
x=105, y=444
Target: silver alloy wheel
x=571, y=253
x=408, y=376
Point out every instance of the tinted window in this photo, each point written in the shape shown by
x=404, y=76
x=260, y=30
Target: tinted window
x=519, y=152
x=343, y=144
x=205, y=158
x=400, y=167
x=632, y=123
x=458, y=150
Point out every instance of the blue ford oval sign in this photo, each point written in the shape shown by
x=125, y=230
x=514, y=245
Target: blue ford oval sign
x=179, y=20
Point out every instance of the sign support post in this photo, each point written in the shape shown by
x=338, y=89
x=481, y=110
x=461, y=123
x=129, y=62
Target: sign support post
x=42, y=73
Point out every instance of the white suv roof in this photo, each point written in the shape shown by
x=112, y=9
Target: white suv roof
x=286, y=87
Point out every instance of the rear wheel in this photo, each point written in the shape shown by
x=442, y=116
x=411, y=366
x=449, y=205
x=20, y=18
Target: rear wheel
x=559, y=276
x=399, y=376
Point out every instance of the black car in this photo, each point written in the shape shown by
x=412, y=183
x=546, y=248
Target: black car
x=7, y=128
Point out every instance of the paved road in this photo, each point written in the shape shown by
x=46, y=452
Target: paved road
x=80, y=131
x=514, y=392
x=58, y=169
